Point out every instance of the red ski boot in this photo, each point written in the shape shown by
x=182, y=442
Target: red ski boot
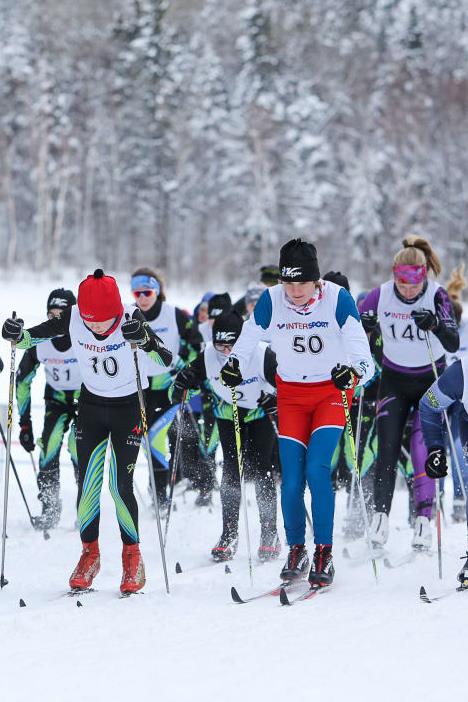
x=133, y=575
x=87, y=568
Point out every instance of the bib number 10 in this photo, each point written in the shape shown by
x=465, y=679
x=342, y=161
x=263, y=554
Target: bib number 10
x=107, y=365
x=313, y=344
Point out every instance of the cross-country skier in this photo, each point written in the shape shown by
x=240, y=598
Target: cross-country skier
x=218, y=303
x=175, y=329
x=256, y=430
x=407, y=307
x=108, y=408
x=321, y=349
x=450, y=389
x=62, y=390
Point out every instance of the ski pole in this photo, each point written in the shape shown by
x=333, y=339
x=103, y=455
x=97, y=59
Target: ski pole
x=358, y=442
x=33, y=462
x=240, y=463
x=308, y=519
x=349, y=428
x=11, y=387
x=144, y=425
x=455, y=458
x=15, y=473
x=175, y=463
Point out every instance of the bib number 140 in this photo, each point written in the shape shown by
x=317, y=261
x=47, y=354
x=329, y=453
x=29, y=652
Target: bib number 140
x=313, y=344
x=408, y=333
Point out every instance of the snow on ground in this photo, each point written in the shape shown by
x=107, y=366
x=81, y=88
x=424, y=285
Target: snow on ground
x=358, y=641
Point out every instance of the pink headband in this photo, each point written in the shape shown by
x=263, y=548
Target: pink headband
x=410, y=275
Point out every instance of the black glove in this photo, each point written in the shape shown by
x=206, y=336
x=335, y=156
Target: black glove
x=267, y=401
x=185, y=380
x=134, y=331
x=1, y=365
x=369, y=321
x=436, y=464
x=230, y=373
x=344, y=377
x=12, y=329
x=26, y=437
x=425, y=320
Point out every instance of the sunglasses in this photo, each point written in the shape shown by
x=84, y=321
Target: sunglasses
x=145, y=293
x=223, y=347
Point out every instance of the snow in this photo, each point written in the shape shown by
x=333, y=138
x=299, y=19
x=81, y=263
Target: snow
x=360, y=641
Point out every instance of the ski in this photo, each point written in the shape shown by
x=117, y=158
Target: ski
x=79, y=591
x=404, y=560
x=311, y=592
x=274, y=592
x=126, y=595
x=424, y=597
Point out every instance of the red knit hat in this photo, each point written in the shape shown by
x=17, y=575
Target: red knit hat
x=99, y=298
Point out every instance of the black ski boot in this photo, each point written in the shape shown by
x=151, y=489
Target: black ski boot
x=462, y=576
x=49, y=486
x=297, y=563
x=322, y=570
x=226, y=547
x=270, y=545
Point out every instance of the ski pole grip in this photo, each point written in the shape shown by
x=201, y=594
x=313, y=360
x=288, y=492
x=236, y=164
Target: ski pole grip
x=132, y=346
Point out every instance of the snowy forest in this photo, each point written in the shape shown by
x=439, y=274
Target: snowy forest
x=199, y=135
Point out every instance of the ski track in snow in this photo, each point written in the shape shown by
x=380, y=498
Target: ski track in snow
x=360, y=642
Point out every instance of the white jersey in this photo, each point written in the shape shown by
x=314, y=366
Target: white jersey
x=206, y=332
x=403, y=342
x=61, y=367
x=165, y=326
x=107, y=367
x=252, y=385
x=307, y=346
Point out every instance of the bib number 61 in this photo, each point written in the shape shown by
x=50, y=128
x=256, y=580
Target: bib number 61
x=313, y=344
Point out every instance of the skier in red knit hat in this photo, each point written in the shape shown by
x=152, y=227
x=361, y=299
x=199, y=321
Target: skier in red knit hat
x=108, y=409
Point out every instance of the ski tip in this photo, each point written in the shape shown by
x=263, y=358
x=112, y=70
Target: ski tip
x=227, y=570
x=236, y=597
x=78, y=603
x=283, y=597
x=423, y=595
x=22, y=603
x=178, y=568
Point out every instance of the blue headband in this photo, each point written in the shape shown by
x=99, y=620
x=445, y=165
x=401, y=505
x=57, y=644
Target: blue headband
x=145, y=282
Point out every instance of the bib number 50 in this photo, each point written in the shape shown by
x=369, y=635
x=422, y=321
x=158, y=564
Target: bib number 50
x=313, y=344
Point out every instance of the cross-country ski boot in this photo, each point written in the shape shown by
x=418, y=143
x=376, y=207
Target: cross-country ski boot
x=49, y=487
x=379, y=530
x=226, y=547
x=270, y=545
x=297, y=563
x=422, y=536
x=322, y=571
x=133, y=569
x=462, y=576
x=87, y=568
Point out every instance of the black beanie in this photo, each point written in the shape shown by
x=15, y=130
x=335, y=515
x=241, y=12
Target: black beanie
x=60, y=299
x=298, y=262
x=338, y=278
x=227, y=327
x=219, y=303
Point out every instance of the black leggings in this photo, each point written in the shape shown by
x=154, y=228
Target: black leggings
x=257, y=443
x=399, y=397
x=98, y=419
x=58, y=416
